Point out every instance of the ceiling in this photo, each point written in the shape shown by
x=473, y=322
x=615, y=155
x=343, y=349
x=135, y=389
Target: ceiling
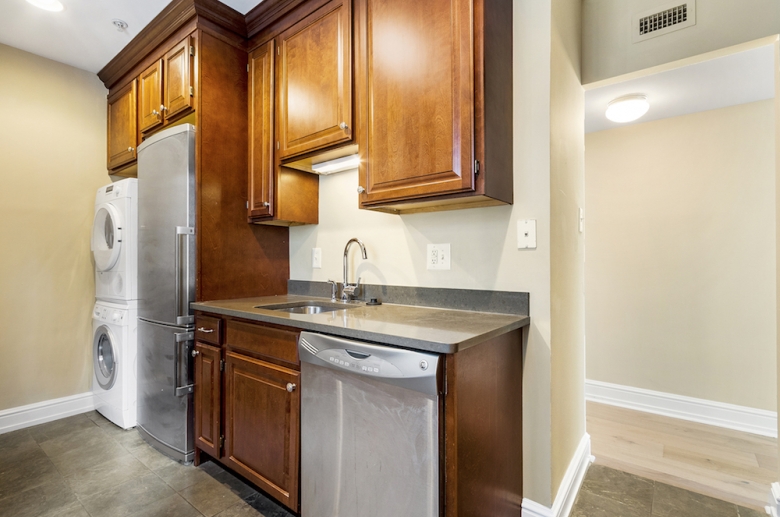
x=82, y=35
x=733, y=79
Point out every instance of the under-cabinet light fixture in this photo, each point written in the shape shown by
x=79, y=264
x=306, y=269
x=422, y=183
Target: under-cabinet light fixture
x=49, y=5
x=337, y=165
x=627, y=108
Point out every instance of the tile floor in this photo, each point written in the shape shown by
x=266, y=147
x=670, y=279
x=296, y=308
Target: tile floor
x=85, y=466
x=607, y=492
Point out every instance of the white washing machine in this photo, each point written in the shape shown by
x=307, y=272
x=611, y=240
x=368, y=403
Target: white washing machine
x=115, y=241
x=114, y=351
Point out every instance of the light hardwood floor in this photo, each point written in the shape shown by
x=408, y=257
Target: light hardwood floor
x=729, y=465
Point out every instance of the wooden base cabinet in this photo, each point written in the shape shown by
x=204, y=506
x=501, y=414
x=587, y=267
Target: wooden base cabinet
x=247, y=403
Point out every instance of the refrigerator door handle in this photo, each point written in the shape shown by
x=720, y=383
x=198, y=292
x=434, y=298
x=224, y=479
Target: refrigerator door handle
x=182, y=313
x=182, y=340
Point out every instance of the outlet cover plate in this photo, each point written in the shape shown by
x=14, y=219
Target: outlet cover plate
x=316, y=258
x=526, y=234
x=438, y=256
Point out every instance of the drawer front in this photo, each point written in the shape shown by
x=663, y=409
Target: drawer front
x=266, y=341
x=208, y=329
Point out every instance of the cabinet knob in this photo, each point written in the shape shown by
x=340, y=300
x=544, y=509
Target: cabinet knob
x=163, y=108
x=155, y=112
x=195, y=353
x=361, y=190
x=344, y=126
x=130, y=149
x=266, y=204
x=291, y=387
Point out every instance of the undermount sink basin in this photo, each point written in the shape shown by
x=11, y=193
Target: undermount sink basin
x=307, y=307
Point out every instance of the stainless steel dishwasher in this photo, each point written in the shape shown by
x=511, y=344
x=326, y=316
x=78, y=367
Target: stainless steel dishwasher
x=369, y=429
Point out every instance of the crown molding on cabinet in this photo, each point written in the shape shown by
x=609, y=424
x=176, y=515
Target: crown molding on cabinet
x=173, y=17
x=266, y=12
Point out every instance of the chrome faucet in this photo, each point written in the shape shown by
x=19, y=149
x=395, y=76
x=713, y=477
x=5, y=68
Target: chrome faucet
x=348, y=290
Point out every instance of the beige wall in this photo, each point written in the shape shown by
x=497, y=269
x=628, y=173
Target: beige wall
x=483, y=242
x=608, y=50
x=52, y=160
x=680, y=271
x=567, y=155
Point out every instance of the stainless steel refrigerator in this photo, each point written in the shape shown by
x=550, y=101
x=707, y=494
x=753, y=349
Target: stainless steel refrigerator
x=166, y=286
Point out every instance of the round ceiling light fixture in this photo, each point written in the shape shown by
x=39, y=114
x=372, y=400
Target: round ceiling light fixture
x=119, y=24
x=49, y=5
x=627, y=108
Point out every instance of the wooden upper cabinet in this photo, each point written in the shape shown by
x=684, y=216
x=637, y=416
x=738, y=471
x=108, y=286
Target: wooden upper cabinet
x=179, y=89
x=315, y=81
x=262, y=430
x=261, y=131
x=208, y=398
x=122, y=127
x=420, y=73
x=150, y=97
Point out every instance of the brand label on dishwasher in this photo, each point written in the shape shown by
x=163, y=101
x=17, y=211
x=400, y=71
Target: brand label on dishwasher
x=367, y=366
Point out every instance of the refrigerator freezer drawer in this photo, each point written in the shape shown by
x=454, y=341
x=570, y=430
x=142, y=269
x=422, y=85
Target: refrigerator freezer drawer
x=165, y=387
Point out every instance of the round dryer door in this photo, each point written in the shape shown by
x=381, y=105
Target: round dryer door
x=104, y=357
x=106, y=237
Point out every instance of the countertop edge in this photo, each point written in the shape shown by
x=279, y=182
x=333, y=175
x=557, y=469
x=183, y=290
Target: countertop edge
x=363, y=335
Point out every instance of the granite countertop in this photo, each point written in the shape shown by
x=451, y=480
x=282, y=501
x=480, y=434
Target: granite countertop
x=421, y=328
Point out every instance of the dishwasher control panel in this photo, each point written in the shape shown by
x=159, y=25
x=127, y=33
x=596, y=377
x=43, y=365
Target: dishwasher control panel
x=358, y=362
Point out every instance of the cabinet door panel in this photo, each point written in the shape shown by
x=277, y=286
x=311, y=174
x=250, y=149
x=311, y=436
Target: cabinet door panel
x=261, y=131
x=416, y=76
x=315, y=81
x=263, y=429
x=208, y=393
x=122, y=127
x=150, y=87
x=178, y=79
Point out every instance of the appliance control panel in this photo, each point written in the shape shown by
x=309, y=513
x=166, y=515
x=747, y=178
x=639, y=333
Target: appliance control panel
x=360, y=363
x=110, y=314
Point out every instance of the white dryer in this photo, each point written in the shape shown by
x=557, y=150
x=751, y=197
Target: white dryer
x=114, y=351
x=115, y=241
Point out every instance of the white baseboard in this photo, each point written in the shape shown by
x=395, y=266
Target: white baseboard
x=730, y=416
x=46, y=411
x=774, y=500
x=570, y=485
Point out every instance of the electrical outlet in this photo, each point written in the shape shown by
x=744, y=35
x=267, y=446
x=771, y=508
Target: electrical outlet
x=438, y=256
x=316, y=258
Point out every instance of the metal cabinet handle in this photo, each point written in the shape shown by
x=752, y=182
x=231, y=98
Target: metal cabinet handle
x=360, y=190
x=130, y=149
x=344, y=126
x=195, y=353
x=266, y=204
x=291, y=387
x=205, y=330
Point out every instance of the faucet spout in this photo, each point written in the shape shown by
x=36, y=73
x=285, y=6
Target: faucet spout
x=348, y=290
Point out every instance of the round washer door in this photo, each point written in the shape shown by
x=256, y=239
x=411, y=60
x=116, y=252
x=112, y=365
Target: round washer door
x=106, y=237
x=104, y=357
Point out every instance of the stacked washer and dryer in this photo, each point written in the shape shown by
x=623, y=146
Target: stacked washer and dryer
x=114, y=246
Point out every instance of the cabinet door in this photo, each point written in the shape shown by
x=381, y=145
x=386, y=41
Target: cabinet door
x=262, y=431
x=261, y=131
x=414, y=80
x=122, y=128
x=150, y=98
x=178, y=79
x=208, y=393
x=315, y=81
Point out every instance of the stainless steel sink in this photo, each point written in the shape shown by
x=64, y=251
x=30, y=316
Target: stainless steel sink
x=307, y=307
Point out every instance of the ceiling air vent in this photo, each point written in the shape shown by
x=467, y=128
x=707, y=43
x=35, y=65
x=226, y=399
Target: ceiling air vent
x=663, y=20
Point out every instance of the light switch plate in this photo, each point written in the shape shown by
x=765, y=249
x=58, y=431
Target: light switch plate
x=526, y=234
x=316, y=258
x=438, y=256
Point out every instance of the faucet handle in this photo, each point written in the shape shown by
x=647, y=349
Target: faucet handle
x=333, y=288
